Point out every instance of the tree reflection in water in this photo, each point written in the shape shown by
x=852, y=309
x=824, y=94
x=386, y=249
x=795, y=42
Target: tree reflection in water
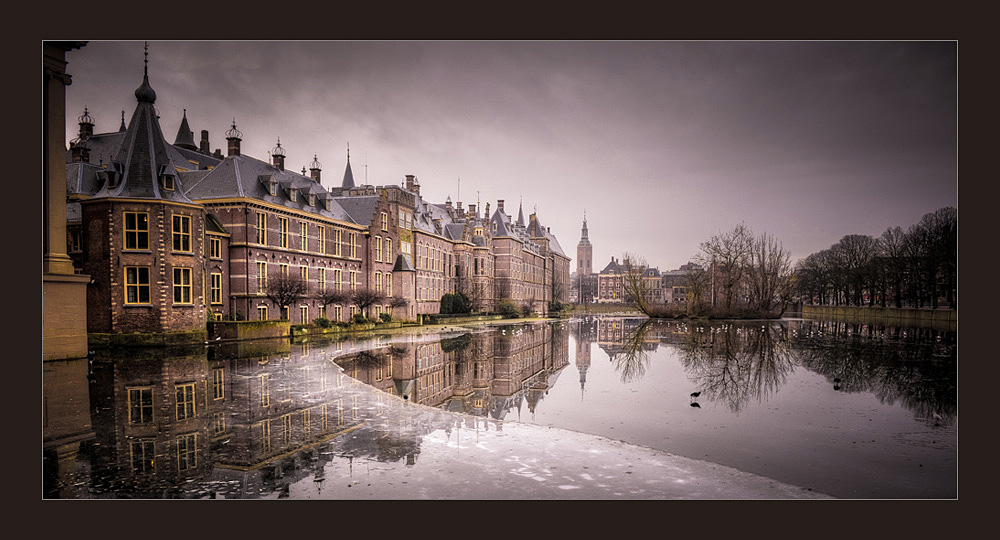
x=735, y=363
x=632, y=356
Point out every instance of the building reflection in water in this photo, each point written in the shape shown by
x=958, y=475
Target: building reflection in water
x=248, y=419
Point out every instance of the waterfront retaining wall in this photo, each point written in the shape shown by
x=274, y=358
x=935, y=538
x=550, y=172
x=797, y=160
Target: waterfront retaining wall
x=937, y=318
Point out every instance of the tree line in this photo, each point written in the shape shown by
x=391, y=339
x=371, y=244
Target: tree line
x=912, y=268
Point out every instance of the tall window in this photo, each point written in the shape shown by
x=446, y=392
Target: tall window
x=354, y=280
x=136, y=284
x=338, y=279
x=286, y=428
x=261, y=277
x=262, y=228
x=337, y=239
x=187, y=446
x=136, y=230
x=265, y=435
x=142, y=454
x=218, y=384
x=388, y=251
x=140, y=405
x=304, y=314
x=303, y=236
x=283, y=268
x=265, y=389
x=216, y=288
x=304, y=273
x=321, y=279
x=185, y=400
x=388, y=284
x=216, y=248
x=378, y=281
x=338, y=312
x=354, y=245
x=261, y=313
x=182, y=285
x=322, y=240
x=385, y=221
x=283, y=232
x=378, y=248
x=182, y=233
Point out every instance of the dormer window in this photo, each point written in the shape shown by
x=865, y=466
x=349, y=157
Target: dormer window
x=167, y=181
x=312, y=200
x=293, y=194
x=272, y=188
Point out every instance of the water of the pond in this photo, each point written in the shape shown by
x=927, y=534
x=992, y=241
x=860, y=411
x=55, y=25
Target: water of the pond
x=852, y=411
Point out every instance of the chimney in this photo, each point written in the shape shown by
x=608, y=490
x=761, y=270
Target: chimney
x=80, y=150
x=278, y=156
x=487, y=214
x=204, y=147
x=233, y=135
x=472, y=211
x=500, y=205
x=314, y=169
x=86, y=125
x=459, y=209
x=412, y=185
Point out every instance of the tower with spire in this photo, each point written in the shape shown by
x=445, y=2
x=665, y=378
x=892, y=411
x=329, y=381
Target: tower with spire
x=144, y=247
x=584, y=252
x=348, y=174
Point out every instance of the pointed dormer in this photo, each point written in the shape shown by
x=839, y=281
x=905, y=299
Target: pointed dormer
x=185, y=137
x=348, y=175
x=520, y=214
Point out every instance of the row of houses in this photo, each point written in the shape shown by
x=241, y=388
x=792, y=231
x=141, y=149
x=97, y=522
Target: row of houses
x=171, y=234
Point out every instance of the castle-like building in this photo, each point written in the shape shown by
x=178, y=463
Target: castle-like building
x=174, y=233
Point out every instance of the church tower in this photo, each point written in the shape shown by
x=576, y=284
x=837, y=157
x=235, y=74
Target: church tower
x=584, y=252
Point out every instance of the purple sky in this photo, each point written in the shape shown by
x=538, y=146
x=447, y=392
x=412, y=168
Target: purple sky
x=662, y=143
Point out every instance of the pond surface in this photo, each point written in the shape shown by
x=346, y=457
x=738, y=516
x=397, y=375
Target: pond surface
x=852, y=411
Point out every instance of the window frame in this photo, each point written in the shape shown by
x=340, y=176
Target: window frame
x=140, y=234
x=137, y=285
x=182, y=287
x=183, y=236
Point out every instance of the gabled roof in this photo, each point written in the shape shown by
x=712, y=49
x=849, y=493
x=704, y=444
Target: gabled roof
x=612, y=267
x=402, y=264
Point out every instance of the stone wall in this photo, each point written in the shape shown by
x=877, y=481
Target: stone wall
x=938, y=318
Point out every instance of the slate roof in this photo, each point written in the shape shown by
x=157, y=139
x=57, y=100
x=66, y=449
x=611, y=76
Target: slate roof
x=103, y=147
x=348, y=175
x=82, y=178
x=245, y=176
x=402, y=265
x=144, y=155
x=612, y=266
x=185, y=137
x=360, y=208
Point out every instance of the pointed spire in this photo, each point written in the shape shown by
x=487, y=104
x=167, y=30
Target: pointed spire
x=348, y=174
x=185, y=137
x=520, y=214
x=122, y=128
x=145, y=92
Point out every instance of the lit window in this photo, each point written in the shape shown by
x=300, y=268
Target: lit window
x=142, y=453
x=140, y=405
x=218, y=384
x=136, y=230
x=185, y=401
x=182, y=285
x=216, y=288
x=136, y=284
x=262, y=228
x=261, y=277
x=182, y=233
x=283, y=231
x=187, y=446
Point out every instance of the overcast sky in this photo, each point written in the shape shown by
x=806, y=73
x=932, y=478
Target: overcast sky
x=663, y=144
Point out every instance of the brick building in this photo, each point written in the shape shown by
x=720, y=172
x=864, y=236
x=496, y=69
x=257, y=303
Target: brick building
x=172, y=234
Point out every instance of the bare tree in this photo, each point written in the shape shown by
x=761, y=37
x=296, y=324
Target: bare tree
x=364, y=298
x=284, y=290
x=725, y=255
x=331, y=295
x=698, y=284
x=892, y=246
x=634, y=287
x=395, y=302
x=768, y=274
